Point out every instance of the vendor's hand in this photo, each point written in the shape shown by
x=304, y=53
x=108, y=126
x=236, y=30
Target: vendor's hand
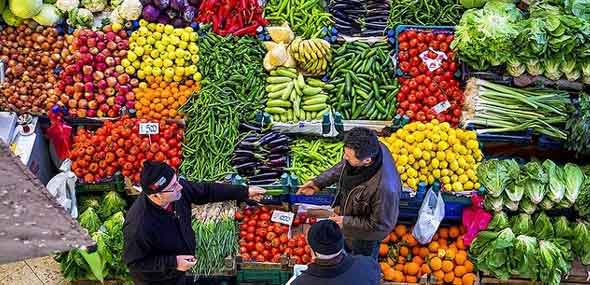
x=309, y=188
x=256, y=193
x=185, y=262
x=337, y=219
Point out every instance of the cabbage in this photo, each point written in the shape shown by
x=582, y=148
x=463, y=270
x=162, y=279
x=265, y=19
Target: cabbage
x=581, y=241
x=468, y=4
x=546, y=204
x=574, y=177
x=94, y=5
x=25, y=8
x=527, y=206
x=80, y=17
x=48, y=16
x=494, y=204
x=524, y=257
x=534, y=185
x=499, y=222
x=522, y=224
x=543, y=227
x=89, y=220
x=494, y=175
x=556, y=186
x=10, y=18
x=66, y=5
x=562, y=228
x=111, y=203
x=511, y=205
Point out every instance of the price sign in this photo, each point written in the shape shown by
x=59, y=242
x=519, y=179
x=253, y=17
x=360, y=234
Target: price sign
x=441, y=107
x=149, y=128
x=281, y=217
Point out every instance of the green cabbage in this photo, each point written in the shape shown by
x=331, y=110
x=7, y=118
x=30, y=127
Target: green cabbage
x=524, y=257
x=25, y=8
x=80, y=17
x=562, y=228
x=111, y=203
x=522, y=224
x=527, y=206
x=494, y=204
x=10, y=18
x=574, y=177
x=89, y=220
x=499, y=222
x=534, y=185
x=49, y=15
x=543, y=227
x=556, y=184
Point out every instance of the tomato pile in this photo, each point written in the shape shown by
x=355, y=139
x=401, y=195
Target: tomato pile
x=262, y=240
x=425, y=89
x=118, y=146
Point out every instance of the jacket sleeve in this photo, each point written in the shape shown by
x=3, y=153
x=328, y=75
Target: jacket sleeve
x=384, y=209
x=138, y=261
x=203, y=193
x=329, y=176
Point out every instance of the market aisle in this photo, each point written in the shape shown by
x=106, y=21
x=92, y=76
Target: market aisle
x=38, y=271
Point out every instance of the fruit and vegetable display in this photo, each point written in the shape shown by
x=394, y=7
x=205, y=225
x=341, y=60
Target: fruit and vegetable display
x=103, y=217
x=550, y=40
x=445, y=258
x=162, y=100
x=261, y=158
x=308, y=19
x=432, y=91
x=293, y=98
x=364, y=80
x=534, y=186
x=360, y=18
x=118, y=147
x=310, y=158
x=93, y=82
x=492, y=108
x=178, y=13
x=425, y=152
x=215, y=232
x=162, y=50
x=31, y=54
x=262, y=240
x=238, y=18
x=230, y=94
x=425, y=13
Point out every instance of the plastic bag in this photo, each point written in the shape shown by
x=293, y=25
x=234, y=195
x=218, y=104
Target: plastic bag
x=431, y=214
x=63, y=187
x=475, y=219
x=60, y=135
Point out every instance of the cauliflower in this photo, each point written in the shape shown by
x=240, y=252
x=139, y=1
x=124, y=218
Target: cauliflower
x=115, y=17
x=80, y=18
x=130, y=9
x=94, y=5
x=66, y=5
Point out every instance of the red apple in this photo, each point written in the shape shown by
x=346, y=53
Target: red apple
x=102, y=84
x=82, y=103
x=78, y=87
x=69, y=90
x=92, y=104
x=112, y=113
x=82, y=113
x=110, y=91
x=98, y=75
x=91, y=113
x=89, y=96
x=89, y=87
x=101, y=98
x=123, y=78
x=111, y=81
x=104, y=108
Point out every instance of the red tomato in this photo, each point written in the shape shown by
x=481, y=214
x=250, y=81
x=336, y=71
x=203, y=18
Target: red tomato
x=250, y=237
x=305, y=259
x=267, y=255
x=299, y=251
x=259, y=247
x=297, y=260
x=276, y=258
x=270, y=236
x=245, y=256
x=264, y=217
x=411, y=34
x=250, y=245
x=403, y=46
x=260, y=258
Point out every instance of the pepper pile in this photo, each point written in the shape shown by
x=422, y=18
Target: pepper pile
x=432, y=90
x=239, y=18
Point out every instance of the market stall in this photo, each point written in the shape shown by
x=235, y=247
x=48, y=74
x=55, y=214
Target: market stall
x=482, y=104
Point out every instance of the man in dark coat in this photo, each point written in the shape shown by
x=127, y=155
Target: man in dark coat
x=331, y=265
x=369, y=187
x=159, y=242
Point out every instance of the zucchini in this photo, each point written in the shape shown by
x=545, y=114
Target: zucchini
x=315, y=108
x=275, y=110
x=275, y=87
x=278, y=103
x=318, y=99
x=284, y=72
x=311, y=91
x=277, y=79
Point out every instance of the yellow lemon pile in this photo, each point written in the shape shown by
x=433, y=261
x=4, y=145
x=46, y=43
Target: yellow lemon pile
x=435, y=151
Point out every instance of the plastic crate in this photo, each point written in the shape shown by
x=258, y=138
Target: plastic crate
x=434, y=29
x=263, y=277
x=282, y=184
x=548, y=143
x=115, y=183
x=520, y=138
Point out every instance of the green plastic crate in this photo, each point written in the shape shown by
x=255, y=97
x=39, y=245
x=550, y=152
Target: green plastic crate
x=116, y=183
x=263, y=277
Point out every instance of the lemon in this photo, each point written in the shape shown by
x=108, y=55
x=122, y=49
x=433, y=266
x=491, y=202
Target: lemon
x=143, y=85
x=194, y=36
x=426, y=155
x=470, y=173
x=417, y=153
x=403, y=177
x=147, y=70
x=183, y=45
x=168, y=29
x=454, y=165
x=422, y=163
x=423, y=178
x=190, y=70
x=141, y=41
x=450, y=156
x=442, y=145
x=158, y=62
x=454, y=178
x=472, y=144
x=179, y=53
x=445, y=180
x=168, y=63
x=155, y=53
x=463, y=178
x=179, y=71
x=428, y=145
x=445, y=126
x=448, y=187
x=156, y=35
x=477, y=186
x=152, y=26
x=174, y=40
x=460, y=171
x=440, y=155
x=410, y=139
x=419, y=136
x=116, y=27
x=462, y=162
x=169, y=72
x=430, y=179
x=435, y=163
x=138, y=51
x=403, y=160
x=140, y=74
x=436, y=173
x=468, y=185
x=156, y=71
x=444, y=164
x=403, y=151
x=178, y=78
x=411, y=159
x=143, y=31
x=143, y=23
x=457, y=187
x=444, y=172
x=435, y=137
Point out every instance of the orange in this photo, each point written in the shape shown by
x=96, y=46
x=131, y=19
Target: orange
x=418, y=260
x=425, y=269
x=460, y=271
x=447, y=266
x=389, y=274
x=404, y=251
x=460, y=258
x=392, y=237
x=433, y=247
x=383, y=250
x=412, y=268
x=457, y=281
x=468, y=279
x=400, y=230
x=423, y=252
x=443, y=233
x=435, y=263
x=439, y=275
x=411, y=279
x=442, y=243
x=468, y=266
x=451, y=253
x=415, y=251
x=460, y=243
x=454, y=232
x=399, y=267
x=449, y=277
x=409, y=238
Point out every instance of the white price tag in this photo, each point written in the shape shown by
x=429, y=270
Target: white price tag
x=281, y=217
x=433, y=63
x=441, y=107
x=149, y=128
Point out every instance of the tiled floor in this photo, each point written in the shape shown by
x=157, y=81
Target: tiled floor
x=38, y=271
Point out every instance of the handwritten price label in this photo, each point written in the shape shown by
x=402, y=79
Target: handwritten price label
x=281, y=217
x=149, y=128
x=441, y=107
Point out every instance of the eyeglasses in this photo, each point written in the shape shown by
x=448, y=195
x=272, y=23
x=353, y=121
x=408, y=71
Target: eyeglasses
x=173, y=188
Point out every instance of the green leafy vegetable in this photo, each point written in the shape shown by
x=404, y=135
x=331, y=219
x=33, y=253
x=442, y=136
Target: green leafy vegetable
x=499, y=222
x=48, y=16
x=111, y=203
x=562, y=228
x=546, y=204
x=494, y=175
x=534, y=67
x=553, y=261
x=468, y=4
x=556, y=185
x=574, y=178
x=543, y=227
x=581, y=241
x=494, y=204
x=25, y=8
x=89, y=220
x=535, y=183
x=527, y=206
x=522, y=224
x=583, y=201
x=524, y=257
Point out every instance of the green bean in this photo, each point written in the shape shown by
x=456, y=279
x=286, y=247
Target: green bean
x=307, y=18
x=424, y=12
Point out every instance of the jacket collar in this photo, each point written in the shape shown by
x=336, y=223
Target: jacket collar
x=155, y=207
x=330, y=271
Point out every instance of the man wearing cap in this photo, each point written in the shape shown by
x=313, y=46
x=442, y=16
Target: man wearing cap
x=331, y=264
x=159, y=240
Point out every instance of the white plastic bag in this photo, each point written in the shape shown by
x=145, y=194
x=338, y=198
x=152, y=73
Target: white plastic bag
x=63, y=187
x=431, y=214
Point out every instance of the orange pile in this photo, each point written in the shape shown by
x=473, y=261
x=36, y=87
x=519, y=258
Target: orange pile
x=403, y=259
x=161, y=99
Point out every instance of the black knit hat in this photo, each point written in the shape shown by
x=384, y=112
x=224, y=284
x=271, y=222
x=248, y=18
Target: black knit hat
x=155, y=176
x=325, y=237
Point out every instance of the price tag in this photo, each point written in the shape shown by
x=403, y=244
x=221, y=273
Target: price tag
x=149, y=128
x=285, y=218
x=430, y=62
x=441, y=107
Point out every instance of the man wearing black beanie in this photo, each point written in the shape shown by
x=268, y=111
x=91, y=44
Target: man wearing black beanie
x=159, y=241
x=331, y=264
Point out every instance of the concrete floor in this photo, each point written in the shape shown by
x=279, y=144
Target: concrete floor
x=38, y=271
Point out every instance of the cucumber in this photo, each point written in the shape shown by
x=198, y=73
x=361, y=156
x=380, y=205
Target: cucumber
x=287, y=92
x=275, y=110
x=284, y=72
x=284, y=118
x=315, y=108
x=275, y=87
x=318, y=99
x=311, y=91
x=290, y=115
x=278, y=103
x=277, y=79
x=315, y=83
x=321, y=113
x=276, y=95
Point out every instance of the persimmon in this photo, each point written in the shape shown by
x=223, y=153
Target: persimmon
x=468, y=279
x=447, y=266
x=400, y=230
x=435, y=263
x=454, y=232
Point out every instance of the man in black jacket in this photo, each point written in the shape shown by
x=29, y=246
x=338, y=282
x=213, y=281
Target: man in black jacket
x=331, y=265
x=368, y=185
x=159, y=240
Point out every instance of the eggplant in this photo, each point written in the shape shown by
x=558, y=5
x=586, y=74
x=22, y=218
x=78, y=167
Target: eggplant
x=280, y=149
x=284, y=140
x=246, y=165
x=245, y=145
x=237, y=160
x=266, y=169
x=245, y=127
x=278, y=162
x=268, y=138
x=275, y=156
x=248, y=153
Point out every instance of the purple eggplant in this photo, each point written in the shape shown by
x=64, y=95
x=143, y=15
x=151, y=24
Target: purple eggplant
x=283, y=140
x=278, y=162
x=247, y=165
x=237, y=160
x=150, y=13
x=280, y=149
x=245, y=127
x=162, y=4
x=268, y=137
x=275, y=156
